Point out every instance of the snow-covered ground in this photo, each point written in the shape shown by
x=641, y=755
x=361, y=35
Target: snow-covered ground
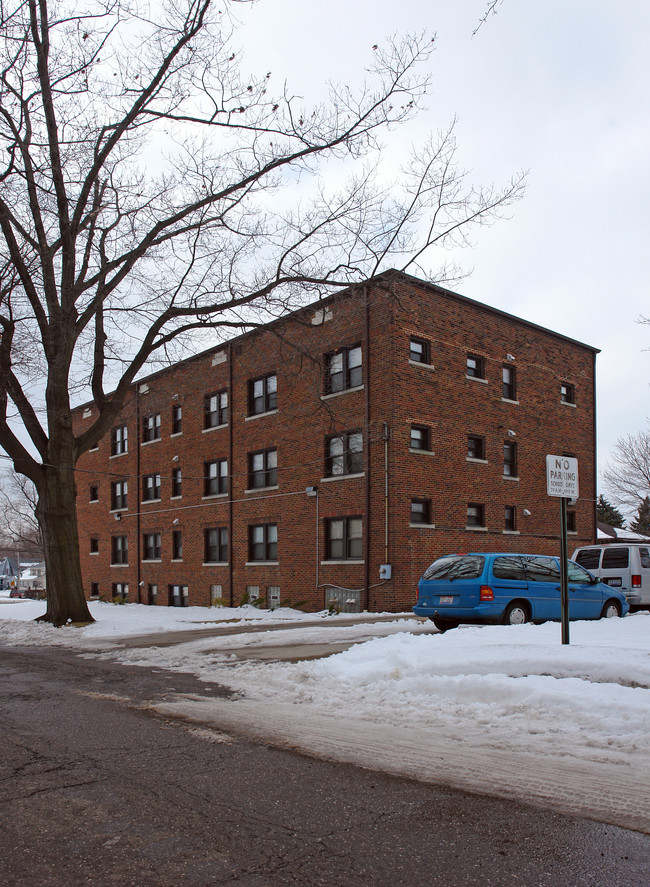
x=507, y=711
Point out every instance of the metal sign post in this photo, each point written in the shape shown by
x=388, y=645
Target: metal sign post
x=564, y=583
x=562, y=482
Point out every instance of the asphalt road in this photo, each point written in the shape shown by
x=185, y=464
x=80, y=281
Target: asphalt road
x=97, y=789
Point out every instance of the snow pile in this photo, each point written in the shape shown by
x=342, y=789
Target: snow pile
x=512, y=687
x=17, y=620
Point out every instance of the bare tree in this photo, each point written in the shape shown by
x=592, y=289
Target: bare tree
x=492, y=8
x=19, y=526
x=627, y=475
x=150, y=190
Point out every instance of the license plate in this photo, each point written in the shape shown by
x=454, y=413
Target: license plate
x=448, y=599
x=614, y=581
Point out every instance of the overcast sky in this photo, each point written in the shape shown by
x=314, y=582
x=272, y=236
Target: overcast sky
x=560, y=89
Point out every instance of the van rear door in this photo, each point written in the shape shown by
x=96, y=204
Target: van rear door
x=615, y=566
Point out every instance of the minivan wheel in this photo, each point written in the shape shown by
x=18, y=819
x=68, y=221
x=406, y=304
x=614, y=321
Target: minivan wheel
x=610, y=610
x=516, y=614
x=443, y=624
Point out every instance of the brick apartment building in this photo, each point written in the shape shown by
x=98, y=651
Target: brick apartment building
x=386, y=425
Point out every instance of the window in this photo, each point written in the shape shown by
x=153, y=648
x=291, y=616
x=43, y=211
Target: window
x=94, y=589
x=509, y=386
x=475, y=515
x=119, y=550
x=344, y=538
x=215, y=541
x=571, y=525
x=475, y=447
x=177, y=419
x=177, y=545
x=344, y=454
x=151, y=546
x=613, y=558
x=273, y=599
x=151, y=428
x=177, y=483
x=152, y=594
x=94, y=545
x=94, y=493
x=567, y=392
x=216, y=595
x=252, y=594
x=577, y=574
x=510, y=520
x=262, y=469
x=509, y=567
x=541, y=569
x=469, y=566
x=119, y=490
x=119, y=440
x=420, y=511
x=263, y=542
x=215, y=477
x=178, y=595
x=120, y=591
x=475, y=366
x=589, y=558
x=215, y=409
x=419, y=437
x=343, y=370
x=509, y=459
x=419, y=351
x=150, y=487
x=262, y=394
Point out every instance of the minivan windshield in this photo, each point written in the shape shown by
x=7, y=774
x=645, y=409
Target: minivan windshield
x=455, y=566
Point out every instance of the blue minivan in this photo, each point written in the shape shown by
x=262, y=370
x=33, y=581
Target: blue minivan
x=510, y=589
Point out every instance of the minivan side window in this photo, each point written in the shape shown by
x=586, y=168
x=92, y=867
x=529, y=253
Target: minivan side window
x=541, y=569
x=644, y=554
x=589, y=558
x=576, y=573
x=615, y=558
x=508, y=568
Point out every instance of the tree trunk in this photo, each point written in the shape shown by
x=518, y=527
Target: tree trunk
x=57, y=516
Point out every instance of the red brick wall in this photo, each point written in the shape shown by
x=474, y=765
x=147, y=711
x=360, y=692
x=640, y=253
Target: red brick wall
x=453, y=406
x=395, y=394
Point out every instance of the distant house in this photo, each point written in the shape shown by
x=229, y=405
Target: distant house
x=607, y=533
x=8, y=573
x=32, y=576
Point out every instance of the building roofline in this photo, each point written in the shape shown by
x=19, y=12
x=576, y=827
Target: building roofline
x=488, y=308
x=388, y=275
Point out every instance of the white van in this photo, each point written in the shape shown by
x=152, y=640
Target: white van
x=624, y=565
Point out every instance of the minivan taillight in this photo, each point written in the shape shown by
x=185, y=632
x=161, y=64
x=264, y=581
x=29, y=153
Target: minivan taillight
x=486, y=593
x=636, y=582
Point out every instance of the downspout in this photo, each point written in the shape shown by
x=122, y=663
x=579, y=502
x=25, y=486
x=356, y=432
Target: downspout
x=137, y=493
x=366, y=559
x=386, y=439
x=231, y=539
x=595, y=503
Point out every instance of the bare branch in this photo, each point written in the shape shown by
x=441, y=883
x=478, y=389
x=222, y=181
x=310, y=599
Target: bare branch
x=627, y=476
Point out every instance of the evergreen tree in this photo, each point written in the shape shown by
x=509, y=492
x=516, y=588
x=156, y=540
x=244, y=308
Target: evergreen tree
x=609, y=514
x=641, y=523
